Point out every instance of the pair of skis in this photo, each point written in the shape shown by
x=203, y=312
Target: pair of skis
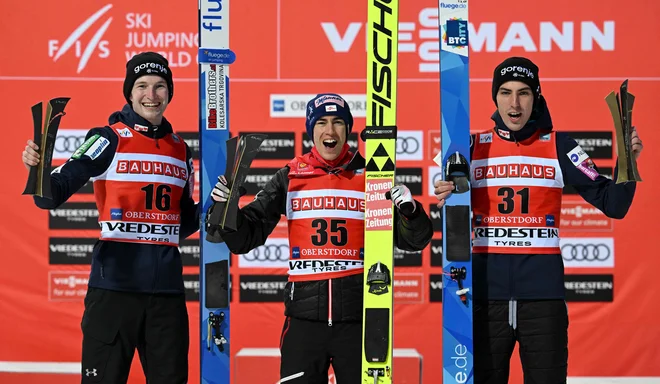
x=380, y=149
x=380, y=154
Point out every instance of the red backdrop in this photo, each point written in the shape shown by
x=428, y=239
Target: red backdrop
x=287, y=50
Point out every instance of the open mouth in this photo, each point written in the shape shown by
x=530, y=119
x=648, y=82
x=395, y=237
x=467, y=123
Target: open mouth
x=151, y=105
x=330, y=143
x=515, y=115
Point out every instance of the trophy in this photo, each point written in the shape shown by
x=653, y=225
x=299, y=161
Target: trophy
x=621, y=106
x=240, y=153
x=38, y=182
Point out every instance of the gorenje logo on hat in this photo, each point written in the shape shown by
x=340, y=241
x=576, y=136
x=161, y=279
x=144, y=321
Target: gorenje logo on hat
x=155, y=66
x=519, y=71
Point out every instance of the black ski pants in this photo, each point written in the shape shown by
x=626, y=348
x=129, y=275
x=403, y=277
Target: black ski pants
x=541, y=329
x=115, y=323
x=309, y=347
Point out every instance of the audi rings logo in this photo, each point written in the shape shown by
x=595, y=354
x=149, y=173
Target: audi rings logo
x=409, y=145
x=268, y=253
x=591, y=252
x=67, y=141
x=68, y=144
x=273, y=254
x=406, y=145
x=585, y=252
x=435, y=174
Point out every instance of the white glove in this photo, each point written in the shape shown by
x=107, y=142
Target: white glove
x=220, y=192
x=403, y=199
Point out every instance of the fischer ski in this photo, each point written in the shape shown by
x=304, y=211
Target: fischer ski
x=454, y=158
x=214, y=58
x=380, y=150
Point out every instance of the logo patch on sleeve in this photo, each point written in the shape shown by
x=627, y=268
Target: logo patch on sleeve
x=85, y=146
x=97, y=148
x=581, y=160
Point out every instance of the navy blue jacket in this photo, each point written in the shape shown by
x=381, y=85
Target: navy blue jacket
x=529, y=277
x=119, y=265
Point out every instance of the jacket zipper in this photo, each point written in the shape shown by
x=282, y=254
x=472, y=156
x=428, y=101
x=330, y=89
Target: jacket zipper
x=329, y=302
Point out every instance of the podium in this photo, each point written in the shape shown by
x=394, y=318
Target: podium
x=262, y=365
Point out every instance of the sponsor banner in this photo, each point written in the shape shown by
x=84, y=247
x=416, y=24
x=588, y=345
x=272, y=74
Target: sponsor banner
x=74, y=216
x=295, y=105
x=70, y=251
x=408, y=288
x=409, y=145
x=603, y=171
x=434, y=144
x=436, y=252
x=67, y=286
x=257, y=178
x=192, y=139
x=273, y=254
x=378, y=217
x=155, y=232
x=435, y=288
x=515, y=170
x=189, y=250
x=67, y=141
x=435, y=214
x=312, y=204
x=411, y=177
x=515, y=237
x=192, y=289
x=105, y=35
x=582, y=288
x=597, y=145
x=262, y=288
x=587, y=252
x=310, y=266
x=308, y=144
x=407, y=258
x=191, y=286
x=435, y=174
x=580, y=216
x=277, y=146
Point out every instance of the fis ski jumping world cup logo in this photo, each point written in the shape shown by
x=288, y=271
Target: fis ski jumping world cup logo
x=96, y=44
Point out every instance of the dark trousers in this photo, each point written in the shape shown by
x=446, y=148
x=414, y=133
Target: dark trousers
x=309, y=347
x=541, y=329
x=115, y=323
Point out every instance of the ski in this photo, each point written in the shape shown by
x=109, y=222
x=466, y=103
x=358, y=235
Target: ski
x=214, y=58
x=454, y=158
x=379, y=136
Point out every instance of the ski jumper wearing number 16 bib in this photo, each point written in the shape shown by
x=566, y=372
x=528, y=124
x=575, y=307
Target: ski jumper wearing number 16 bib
x=137, y=197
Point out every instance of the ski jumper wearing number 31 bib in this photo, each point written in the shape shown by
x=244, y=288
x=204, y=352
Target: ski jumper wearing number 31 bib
x=516, y=194
x=138, y=196
x=325, y=213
